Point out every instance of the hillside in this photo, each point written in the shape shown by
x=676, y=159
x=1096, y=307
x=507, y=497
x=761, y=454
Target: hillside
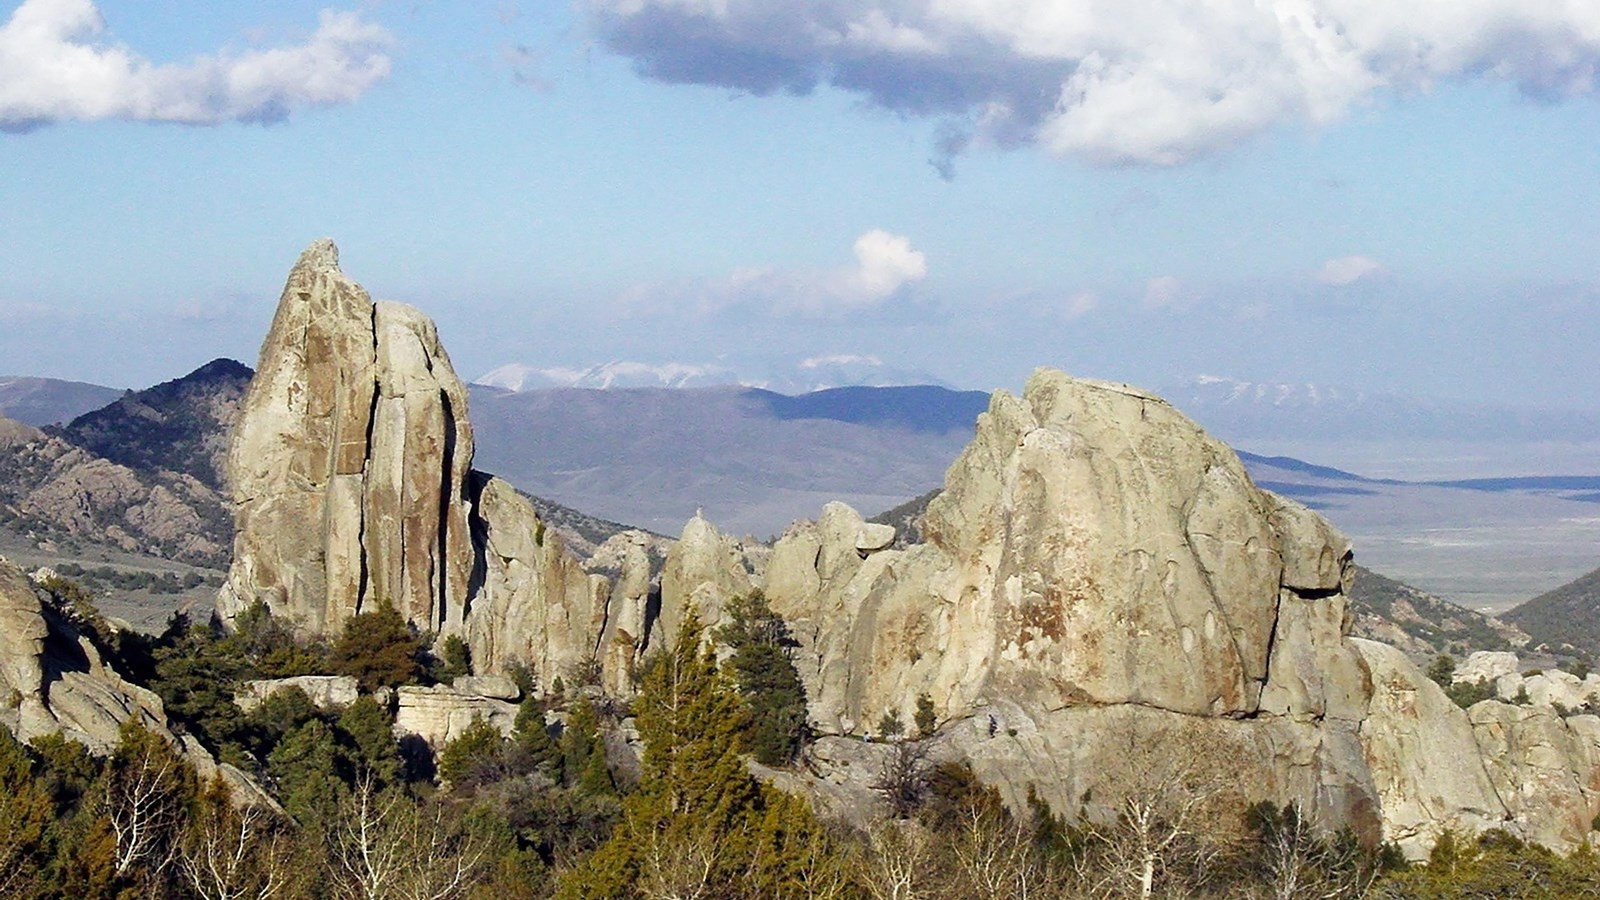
x=1567, y=617
x=177, y=426
x=1421, y=624
x=46, y=401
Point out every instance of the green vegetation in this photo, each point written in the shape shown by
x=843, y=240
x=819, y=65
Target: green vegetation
x=1440, y=625
x=775, y=729
x=1565, y=620
x=546, y=811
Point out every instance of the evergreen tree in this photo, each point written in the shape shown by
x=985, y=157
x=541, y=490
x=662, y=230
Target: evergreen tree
x=699, y=824
x=379, y=649
x=367, y=731
x=26, y=819
x=775, y=728
x=583, y=752
x=304, y=767
x=474, y=757
x=531, y=734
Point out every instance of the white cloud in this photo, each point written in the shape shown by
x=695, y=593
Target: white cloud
x=1348, y=270
x=840, y=359
x=885, y=263
x=1132, y=82
x=1164, y=292
x=53, y=68
x=886, y=266
x=1079, y=305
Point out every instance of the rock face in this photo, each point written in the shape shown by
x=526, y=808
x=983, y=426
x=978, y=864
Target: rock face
x=326, y=692
x=352, y=479
x=1101, y=594
x=1098, y=575
x=54, y=680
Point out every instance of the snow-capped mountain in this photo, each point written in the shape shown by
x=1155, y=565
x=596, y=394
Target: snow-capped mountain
x=613, y=374
x=1243, y=410
x=812, y=374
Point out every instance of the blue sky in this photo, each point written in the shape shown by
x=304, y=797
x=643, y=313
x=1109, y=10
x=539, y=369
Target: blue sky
x=1306, y=190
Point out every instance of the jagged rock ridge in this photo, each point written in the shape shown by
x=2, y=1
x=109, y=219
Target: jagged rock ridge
x=351, y=469
x=1097, y=574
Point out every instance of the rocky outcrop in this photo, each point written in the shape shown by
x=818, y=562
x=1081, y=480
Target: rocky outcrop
x=441, y=713
x=326, y=692
x=54, y=680
x=351, y=472
x=1099, y=575
x=1544, y=767
x=52, y=489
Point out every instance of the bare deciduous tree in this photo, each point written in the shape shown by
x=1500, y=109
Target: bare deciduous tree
x=234, y=854
x=388, y=846
x=1177, y=808
x=143, y=807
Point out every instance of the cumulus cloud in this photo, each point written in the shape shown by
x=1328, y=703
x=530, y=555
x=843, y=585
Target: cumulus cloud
x=1130, y=82
x=886, y=266
x=1347, y=270
x=54, y=67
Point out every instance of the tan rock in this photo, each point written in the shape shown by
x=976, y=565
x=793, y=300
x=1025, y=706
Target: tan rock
x=351, y=470
x=326, y=692
x=1545, y=768
x=1422, y=754
x=441, y=714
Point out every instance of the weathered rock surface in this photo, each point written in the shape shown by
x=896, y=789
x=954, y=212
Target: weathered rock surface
x=441, y=713
x=326, y=692
x=54, y=680
x=1485, y=665
x=351, y=472
x=1422, y=755
x=1545, y=768
x=1100, y=575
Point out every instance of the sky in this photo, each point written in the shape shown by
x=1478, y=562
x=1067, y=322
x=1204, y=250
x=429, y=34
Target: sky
x=1393, y=196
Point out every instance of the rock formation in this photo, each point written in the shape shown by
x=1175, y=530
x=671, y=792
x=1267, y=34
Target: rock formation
x=1100, y=592
x=351, y=472
x=54, y=679
x=1099, y=574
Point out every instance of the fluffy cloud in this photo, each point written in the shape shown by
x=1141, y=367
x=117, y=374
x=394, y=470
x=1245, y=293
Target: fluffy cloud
x=1348, y=270
x=52, y=67
x=886, y=267
x=1109, y=81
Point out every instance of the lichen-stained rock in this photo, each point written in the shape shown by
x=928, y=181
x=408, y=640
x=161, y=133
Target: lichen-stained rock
x=1545, y=768
x=350, y=461
x=1090, y=546
x=440, y=714
x=1421, y=751
x=351, y=471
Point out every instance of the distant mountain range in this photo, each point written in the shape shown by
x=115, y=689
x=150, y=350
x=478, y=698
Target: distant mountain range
x=812, y=374
x=1242, y=410
x=46, y=401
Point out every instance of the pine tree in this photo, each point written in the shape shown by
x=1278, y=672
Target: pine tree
x=379, y=649
x=775, y=728
x=26, y=817
x=699, y=824
x=367, y=730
